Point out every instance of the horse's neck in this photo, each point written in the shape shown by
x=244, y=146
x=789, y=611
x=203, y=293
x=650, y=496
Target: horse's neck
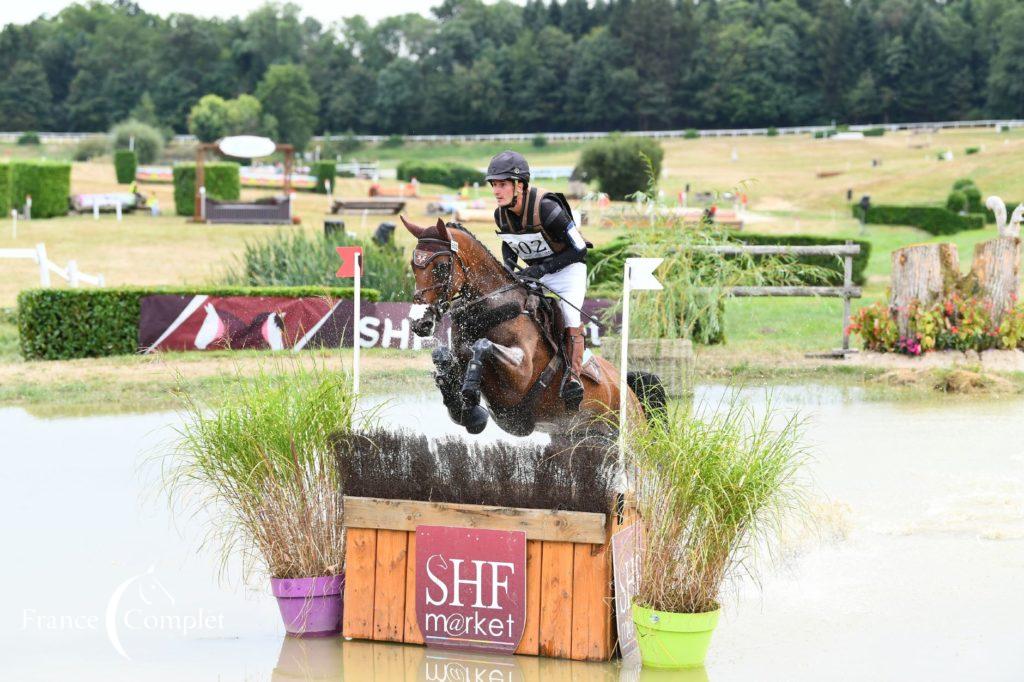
x=485, y=274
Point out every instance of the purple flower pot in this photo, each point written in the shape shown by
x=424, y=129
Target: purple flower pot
x=310, y=607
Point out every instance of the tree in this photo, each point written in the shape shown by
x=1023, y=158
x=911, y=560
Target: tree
x=25, y=98
x=1006, y=79
x=208, y=119
x=286, y=94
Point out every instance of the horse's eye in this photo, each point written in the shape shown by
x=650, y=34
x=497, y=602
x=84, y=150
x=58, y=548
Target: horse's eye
x=441, y=272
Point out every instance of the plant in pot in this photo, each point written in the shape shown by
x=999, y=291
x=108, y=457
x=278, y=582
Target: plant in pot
x=256, y=460
x=710, y=489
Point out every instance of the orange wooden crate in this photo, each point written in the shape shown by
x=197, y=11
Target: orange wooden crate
x=570, y=610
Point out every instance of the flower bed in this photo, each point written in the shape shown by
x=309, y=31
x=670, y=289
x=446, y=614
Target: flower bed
x=955, y=323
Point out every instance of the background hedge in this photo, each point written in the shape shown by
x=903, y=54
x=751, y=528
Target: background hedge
x=5, y=188
x=60, y=324
x=125, y=163
x=222, y=182
x=933, y=219
x=48, y=182
x=432, y=173
x=620, y=164
x=324, y=171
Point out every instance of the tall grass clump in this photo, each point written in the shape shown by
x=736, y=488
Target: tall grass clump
x=710, y=488
x=257, y=461
x=293, y=258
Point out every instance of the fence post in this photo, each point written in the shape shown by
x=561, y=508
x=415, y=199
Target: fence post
x=73, y=273
x=847, y=284
x=202, y=204
x=44, y=265
x=14, y=223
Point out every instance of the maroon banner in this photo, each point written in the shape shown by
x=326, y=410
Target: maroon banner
x=171, y=322
x=471, y=588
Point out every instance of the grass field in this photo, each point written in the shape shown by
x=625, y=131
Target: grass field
x=778, y=175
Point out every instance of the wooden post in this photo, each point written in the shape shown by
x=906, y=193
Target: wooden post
x=847, y=286
x=995, y=272
x=44, y=265
x=200, y=180
x=921, y=273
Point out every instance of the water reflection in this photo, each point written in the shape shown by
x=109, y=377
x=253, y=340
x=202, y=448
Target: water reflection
x=323, y=660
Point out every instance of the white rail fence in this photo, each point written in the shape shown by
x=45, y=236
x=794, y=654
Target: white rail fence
x=70, y=274
x=524, y=137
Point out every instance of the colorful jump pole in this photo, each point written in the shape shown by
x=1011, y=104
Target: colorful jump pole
x=352, y=266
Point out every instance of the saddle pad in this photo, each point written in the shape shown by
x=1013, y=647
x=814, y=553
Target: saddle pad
x=591, y=369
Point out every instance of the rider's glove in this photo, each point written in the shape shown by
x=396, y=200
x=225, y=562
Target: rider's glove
x=534, y=272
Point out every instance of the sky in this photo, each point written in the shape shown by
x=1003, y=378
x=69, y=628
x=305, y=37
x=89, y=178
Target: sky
x=324, y=11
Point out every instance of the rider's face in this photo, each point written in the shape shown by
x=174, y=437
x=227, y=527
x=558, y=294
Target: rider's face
x=503, y=191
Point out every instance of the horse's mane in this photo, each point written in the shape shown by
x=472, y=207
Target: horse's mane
x=432, y=233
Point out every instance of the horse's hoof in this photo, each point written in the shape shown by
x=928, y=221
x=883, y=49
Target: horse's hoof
x=476, y=420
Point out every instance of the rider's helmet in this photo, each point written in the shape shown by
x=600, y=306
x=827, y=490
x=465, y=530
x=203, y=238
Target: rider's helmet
x=508, y=165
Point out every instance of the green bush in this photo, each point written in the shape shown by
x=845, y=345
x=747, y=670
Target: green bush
x=222, y=182
x=324, y=171
x=963, y=182
x=59, y=324
x=347, y=144
x=149, y=143
x=822, y=134
x=773, y=132
x=956, y=201
x=972, y=150
x=434, y=173
x=619, y=164
x=973, y=196
x=933, y=219
x=29, y=139
x=125, y=162
x=539, y=141
x=691, y=134
x=393, y=142
x=874, y=132
x=290, y=258
x=5, y=188
x=48, y=183
x=90, y=148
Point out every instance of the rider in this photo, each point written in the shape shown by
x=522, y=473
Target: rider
x=538, y=227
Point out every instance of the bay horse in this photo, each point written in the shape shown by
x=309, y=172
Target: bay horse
x=505, y=344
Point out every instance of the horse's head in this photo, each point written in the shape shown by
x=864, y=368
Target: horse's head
x=436, y=264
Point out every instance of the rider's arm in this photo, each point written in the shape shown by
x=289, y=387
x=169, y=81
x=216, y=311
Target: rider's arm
x=561, y=226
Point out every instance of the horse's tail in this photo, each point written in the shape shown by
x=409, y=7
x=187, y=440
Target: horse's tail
x=649, y=391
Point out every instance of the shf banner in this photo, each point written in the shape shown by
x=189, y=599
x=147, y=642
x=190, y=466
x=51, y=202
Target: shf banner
x=471, y=588
x=170, y=322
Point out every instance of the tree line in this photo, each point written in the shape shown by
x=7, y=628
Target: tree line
x=471, y=67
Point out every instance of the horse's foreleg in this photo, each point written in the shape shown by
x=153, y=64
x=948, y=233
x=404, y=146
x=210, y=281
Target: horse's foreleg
x=447, y=379
x=482, y=349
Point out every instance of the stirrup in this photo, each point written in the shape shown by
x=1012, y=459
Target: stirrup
x=572, y=394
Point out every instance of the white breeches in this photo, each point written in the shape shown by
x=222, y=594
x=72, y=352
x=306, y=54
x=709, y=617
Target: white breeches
x=571, y=284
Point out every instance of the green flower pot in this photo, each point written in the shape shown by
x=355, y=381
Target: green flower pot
x=673, y=640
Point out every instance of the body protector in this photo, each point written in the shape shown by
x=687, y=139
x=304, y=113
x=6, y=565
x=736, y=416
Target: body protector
x=545, y=235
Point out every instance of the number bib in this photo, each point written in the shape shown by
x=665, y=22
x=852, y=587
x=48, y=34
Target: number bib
x=528, y=245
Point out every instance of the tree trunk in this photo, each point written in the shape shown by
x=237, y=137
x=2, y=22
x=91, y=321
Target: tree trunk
x=995, y=273
x=921, y=273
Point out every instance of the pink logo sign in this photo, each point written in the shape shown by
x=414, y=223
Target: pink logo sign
x=471, y=588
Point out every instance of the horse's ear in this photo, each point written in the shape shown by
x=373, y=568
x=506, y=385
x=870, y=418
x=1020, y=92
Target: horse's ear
x=416, y=230
x=442, y=231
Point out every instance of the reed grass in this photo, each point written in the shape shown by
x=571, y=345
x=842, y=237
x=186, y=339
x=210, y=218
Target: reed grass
x=257, y=462
x=710, y=488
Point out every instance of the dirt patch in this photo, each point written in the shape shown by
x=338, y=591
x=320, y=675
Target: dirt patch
x=956, y=381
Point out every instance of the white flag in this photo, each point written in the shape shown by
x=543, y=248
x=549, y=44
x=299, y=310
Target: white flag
x=641, y=273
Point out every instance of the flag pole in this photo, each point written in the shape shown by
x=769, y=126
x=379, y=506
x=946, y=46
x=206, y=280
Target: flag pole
x=356, y=311
x=623, y=388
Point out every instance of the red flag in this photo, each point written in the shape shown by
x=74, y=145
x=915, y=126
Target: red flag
x=348, y=261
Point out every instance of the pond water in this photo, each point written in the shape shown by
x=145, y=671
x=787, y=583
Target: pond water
x=915, y=572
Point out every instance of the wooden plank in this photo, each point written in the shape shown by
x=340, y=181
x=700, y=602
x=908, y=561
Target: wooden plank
x=538, y=524
x=556, y=600
x=530, y=643
x=832, y=292
x=780, y=250
x=389, y=586
x=360, y=566
x=591, y=603
x=412, y=626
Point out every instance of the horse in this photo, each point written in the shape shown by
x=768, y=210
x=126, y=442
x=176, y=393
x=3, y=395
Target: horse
x=506, y=344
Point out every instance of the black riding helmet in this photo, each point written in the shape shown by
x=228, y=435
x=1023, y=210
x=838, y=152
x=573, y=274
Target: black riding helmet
x=508, y=165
